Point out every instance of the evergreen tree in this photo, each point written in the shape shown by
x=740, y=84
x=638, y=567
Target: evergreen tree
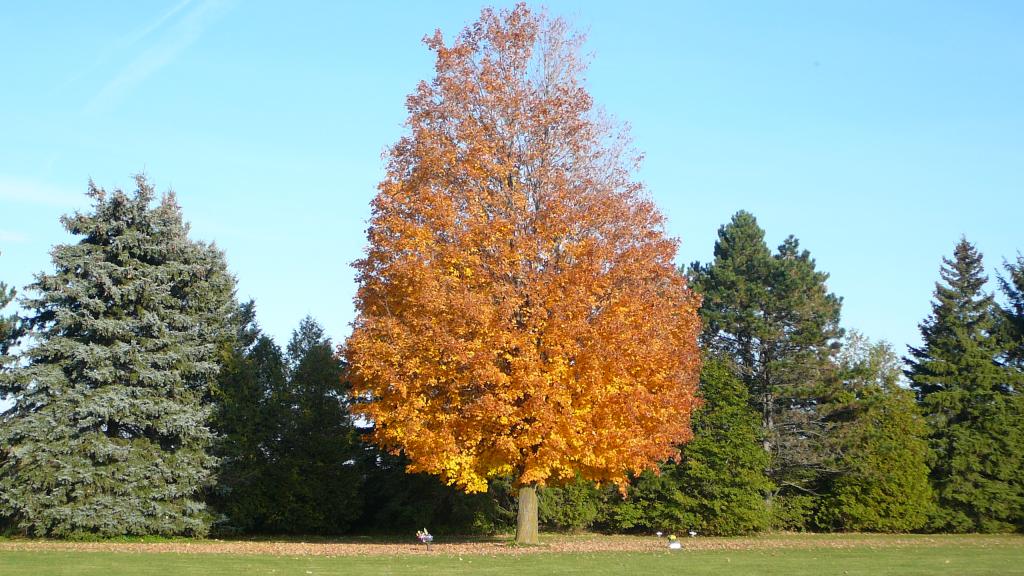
x=8, y=324
x=252, y=372
x=291, y=461
x=571, y=507
x=772, y=317
x=316, y=481
x=1012, y=332
x=254, y=444
x=879, y=438
x=972, y=402
x=109, y=432
x=1012, y=317
x=654, y=502
x=722, y=473
x=719, y=486
x=8, y=336
x=399, y=502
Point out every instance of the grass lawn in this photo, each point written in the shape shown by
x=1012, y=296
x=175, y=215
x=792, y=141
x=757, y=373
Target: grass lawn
x=790, y=555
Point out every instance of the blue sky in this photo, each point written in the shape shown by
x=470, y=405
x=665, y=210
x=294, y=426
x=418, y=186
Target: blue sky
x=876, y=132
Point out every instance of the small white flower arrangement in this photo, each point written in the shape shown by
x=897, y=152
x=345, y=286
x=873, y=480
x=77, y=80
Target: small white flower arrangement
x=673, y=542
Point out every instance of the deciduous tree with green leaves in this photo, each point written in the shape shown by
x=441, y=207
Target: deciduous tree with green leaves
x=879, y=441
x=572, y=507
x=972, y=401
x=108, y=434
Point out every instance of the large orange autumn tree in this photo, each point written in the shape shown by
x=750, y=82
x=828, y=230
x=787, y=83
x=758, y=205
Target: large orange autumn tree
x=519, y=312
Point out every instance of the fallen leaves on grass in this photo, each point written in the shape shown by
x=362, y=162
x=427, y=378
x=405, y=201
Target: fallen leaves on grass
x=581, y=544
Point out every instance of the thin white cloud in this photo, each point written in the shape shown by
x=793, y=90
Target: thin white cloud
x=154, y=25
x=175, y=31
x=12, y=237
x=17, y=190
x=122, y=44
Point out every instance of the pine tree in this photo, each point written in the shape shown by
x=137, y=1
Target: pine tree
x=972, y=402
x=722, y=473
x=1011, y=321
x=109, y=432
x=879, y=437
x=290, y=453
x=719, y=486
x=9, y=325
x=259, y=413
x=252, y=372
x=315, y=477
x=772, y=317
x=1012, y=317
x=9, y=328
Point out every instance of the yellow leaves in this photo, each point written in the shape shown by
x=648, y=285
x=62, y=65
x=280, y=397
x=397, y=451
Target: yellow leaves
x=534, y=475
x=503, y=470
x=460, y=272
x=459, y=471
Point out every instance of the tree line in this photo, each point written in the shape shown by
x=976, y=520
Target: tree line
x=148, y=401
x=805, y=427
x=522, y=330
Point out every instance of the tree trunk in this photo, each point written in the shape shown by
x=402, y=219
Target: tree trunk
x=768, y=429
x=526, y=522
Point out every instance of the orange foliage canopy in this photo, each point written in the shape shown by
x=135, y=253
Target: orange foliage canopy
x=519, y=311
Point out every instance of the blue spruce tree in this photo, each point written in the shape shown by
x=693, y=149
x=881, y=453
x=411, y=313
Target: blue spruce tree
x=108, y=434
